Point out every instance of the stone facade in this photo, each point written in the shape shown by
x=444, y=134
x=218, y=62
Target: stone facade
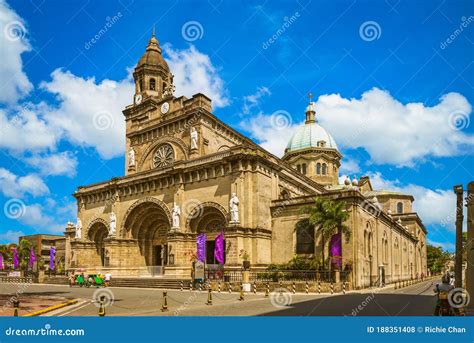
x=178, y=152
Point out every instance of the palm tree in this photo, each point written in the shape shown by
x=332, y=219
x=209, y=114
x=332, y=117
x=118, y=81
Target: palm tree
x=329, y=217
x=24, y=253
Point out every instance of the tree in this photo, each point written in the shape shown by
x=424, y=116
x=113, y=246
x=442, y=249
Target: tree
x=23, y=249
x=329, y=217
x=436, y=258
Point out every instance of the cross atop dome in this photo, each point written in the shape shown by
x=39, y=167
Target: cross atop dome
x=310, y=110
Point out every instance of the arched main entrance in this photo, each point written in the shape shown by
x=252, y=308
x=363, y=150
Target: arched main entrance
x=148, y=222
x=211, y=219
x=97, y=232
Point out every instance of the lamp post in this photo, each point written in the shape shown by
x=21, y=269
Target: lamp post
x=470, y=244
x=459, y=219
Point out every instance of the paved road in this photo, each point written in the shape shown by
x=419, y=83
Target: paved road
x=416, y=300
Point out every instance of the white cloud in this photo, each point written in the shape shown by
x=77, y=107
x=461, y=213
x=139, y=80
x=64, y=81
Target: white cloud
x=15, y=186
x=434, y=206
x=64, y=163
x=195, y=73
x=90, y=113
x=271, y=131
x=349, y=166
x=22, y=129
x=253, y=100
x=10, y=236
x=15, y=83
x=396, y=133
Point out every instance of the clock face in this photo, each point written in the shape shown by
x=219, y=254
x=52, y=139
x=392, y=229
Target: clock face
x=138, y=99
x=165, y=108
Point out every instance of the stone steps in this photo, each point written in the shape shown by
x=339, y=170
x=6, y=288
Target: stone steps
x=132, y=282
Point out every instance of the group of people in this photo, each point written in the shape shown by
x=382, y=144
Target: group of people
x=98, y=280
x=443, y=289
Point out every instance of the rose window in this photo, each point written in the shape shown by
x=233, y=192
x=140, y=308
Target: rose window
x=164, y=156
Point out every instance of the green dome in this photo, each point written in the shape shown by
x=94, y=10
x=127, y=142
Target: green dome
x=308, y=136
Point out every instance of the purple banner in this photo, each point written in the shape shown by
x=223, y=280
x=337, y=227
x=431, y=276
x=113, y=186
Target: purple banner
x=52, y=256
x=16, y=263
x=1, y=262
x=219, y=249
x=32, y=257
x=201, y=247
x=335, y=249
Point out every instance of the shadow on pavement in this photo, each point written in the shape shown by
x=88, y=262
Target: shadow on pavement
x=368, y=304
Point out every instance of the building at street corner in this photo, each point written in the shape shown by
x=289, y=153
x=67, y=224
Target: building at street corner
x=187, y=172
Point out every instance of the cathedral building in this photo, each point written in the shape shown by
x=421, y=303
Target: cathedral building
x=187, y=173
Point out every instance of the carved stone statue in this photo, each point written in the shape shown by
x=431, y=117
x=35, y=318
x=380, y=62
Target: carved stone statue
x=78, y=229
x=131, y=157
x=176, y=213
x=234, y=208
x=194, y=139
x=113, y=224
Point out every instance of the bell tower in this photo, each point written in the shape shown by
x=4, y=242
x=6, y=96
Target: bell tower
x=152, y=75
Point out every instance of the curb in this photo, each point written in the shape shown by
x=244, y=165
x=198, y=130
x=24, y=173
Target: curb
x=52, y=308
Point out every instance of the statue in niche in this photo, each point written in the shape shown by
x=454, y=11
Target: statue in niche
x=234, y=208
x=194, y=138
x=78, y=229
x=131, y=157
x=112, y=224
x=176, y=213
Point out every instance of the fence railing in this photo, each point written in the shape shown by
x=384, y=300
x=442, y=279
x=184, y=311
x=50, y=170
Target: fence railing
x=285, y=275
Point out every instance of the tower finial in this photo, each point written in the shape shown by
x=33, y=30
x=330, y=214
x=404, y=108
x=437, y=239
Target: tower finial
x=153, y=32
x=310, y=96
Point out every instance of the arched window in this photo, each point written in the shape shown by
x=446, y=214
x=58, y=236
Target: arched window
x=366, y=254
x=304, y=237
x=318, y=168
x=298, y=168
x=324, y=168
x=400, y=207
x=303, y=168
x=152, y=84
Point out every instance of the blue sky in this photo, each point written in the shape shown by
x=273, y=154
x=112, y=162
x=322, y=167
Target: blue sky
x=392, y=80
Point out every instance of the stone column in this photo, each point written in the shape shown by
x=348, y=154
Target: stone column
x=70, y=233
x=470, y=245
x=459, y=219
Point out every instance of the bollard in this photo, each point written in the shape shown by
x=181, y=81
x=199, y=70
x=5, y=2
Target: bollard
x=343, y=288
x=230, y=288
x=307, y=287
x=294, y=287
x=181, y=286
x=242, y=296
x=395, y=287
x=255, y=287
x=332, y=288
x=190, y=286
x=219, y=286
x=280, y=285
x=164, y=306
x=16, y=306
x=200, y=286
x=102, y=306
x=209, y=296
x=267, y=290
x=319, y=287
